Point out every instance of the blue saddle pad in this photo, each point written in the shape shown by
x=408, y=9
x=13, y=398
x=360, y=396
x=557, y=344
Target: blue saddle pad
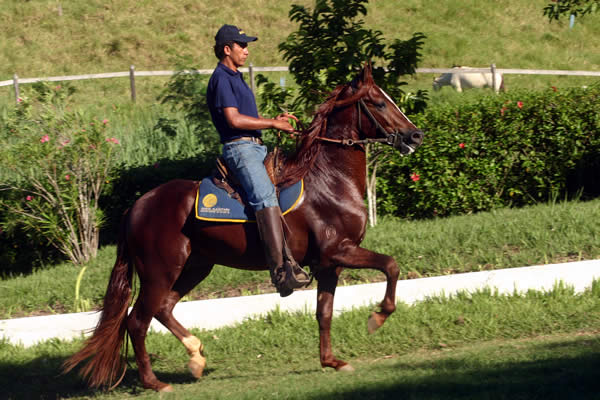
x=215, y=204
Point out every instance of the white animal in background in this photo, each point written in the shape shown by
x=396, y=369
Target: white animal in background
x=462, y=79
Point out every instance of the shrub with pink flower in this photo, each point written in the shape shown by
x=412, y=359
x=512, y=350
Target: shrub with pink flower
x=59, y=171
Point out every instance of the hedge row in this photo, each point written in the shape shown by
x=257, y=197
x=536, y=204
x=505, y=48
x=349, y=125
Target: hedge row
x=513, y=149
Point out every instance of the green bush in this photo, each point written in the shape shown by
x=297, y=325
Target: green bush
x=54, y=164
x=510, y=150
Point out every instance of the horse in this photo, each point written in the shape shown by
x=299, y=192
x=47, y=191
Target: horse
x=461, y=78
x=172, y=251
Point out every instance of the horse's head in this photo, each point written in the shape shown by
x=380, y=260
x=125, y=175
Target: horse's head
x=380, y=118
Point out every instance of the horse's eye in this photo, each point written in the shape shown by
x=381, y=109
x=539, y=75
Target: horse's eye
x=381, y=105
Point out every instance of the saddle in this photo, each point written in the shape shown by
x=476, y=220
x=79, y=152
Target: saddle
x=223, y=178
x=220, y=197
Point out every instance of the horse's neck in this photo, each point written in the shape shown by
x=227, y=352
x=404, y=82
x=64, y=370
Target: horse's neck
x=338, y=164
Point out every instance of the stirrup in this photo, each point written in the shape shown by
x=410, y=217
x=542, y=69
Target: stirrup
x=295, y=276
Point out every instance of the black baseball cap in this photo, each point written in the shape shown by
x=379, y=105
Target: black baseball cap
x=231, y=33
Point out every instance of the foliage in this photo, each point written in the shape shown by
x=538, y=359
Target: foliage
x=511, y=150
x=559, y=8
x=331, y=45
x=56, y=163
x=274, y=98
x=186, y=92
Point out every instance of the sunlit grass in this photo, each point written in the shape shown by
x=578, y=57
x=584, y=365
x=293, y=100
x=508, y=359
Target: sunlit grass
x=109, y=37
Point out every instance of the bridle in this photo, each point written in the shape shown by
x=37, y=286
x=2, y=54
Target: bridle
x=390, y=138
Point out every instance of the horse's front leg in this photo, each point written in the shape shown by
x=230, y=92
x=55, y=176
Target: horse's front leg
x=327, y=281
x=353, y=256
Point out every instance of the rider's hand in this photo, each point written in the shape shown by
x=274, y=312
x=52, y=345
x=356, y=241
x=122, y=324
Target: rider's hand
x=286, y=117
x=283, y=125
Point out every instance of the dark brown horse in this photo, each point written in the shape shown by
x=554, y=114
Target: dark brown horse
x=172, y=251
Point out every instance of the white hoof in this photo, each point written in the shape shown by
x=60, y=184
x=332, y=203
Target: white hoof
x=196, y=366
x=373, y=324
x=166, y=389
x=347, y=368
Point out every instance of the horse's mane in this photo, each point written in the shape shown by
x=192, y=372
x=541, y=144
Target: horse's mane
x=298, y=164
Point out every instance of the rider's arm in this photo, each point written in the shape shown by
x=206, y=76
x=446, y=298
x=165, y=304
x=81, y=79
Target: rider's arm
x=236, y=120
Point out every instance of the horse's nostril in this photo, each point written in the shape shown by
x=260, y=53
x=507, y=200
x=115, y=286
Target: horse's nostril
x=417, y=136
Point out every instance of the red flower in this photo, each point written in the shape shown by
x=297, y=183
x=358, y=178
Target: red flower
x=44, y=139
x=554, y=88
x=520, y=104
x=461, y=145
x=67, y=177
x=29, y=198
x=415, y=177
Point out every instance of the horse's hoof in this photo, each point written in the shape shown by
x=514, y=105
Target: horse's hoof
x=166, y=389
x=375, y=322
x=196, y=366
x=346, y=368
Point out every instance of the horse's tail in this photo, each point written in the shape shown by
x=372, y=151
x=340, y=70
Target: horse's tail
x=102, y=351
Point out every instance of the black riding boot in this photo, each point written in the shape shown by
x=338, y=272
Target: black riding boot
x=286, y=274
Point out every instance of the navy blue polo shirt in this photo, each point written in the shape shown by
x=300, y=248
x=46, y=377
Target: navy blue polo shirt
x=227, y=88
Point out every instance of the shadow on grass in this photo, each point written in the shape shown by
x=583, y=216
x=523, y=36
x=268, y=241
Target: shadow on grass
x=548, y=376
x=41, y=378
x=557, y=370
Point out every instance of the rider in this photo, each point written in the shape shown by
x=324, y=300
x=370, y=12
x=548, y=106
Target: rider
x=233, y=110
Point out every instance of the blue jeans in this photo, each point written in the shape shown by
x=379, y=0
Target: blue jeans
x=245, y=159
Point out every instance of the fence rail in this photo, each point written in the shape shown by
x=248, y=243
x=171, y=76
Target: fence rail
x=132, y=73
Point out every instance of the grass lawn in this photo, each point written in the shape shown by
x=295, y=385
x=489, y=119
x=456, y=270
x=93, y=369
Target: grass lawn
x=479, y=346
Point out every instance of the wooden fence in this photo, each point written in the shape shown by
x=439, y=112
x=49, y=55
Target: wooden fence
x=132, y=74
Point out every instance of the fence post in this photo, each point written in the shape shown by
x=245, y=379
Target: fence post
x=16, y=85
x=251, y=77
x=493, y=68
x=132, y=82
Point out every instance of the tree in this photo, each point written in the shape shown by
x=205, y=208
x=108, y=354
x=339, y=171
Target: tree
x=332, y=44
x=559, y=8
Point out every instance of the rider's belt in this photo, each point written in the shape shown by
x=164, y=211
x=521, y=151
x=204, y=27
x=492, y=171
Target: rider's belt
x=249, y=138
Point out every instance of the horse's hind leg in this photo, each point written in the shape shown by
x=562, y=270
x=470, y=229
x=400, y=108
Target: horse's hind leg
x=152, y=294
x=191, y=276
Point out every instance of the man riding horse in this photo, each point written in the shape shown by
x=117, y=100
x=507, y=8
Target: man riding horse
x=235, y=116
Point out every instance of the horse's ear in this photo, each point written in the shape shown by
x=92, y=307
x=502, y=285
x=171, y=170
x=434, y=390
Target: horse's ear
x=366, y=74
